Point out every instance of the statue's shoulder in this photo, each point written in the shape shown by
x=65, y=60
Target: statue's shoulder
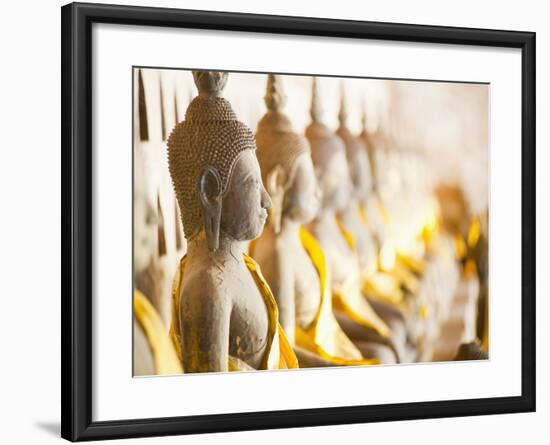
x=281, y=248
x=282, y=254
x=319, y=233
x=266, y=249
x=205, y=283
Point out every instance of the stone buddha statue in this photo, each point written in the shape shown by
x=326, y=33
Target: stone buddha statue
x=153, y=351
x=399, y=205
x=224, y=316
x=369, y=143
x=359, y=320
x=467, y=310
x=382, y=289
x=353, y=218
x=376, y=214
x=481, y=255
x=290, y=257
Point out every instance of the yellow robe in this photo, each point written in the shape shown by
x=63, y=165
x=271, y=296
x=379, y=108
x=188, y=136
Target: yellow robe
x=348, y=298
x=324, y=336
x=165, y=359
x=278, y=353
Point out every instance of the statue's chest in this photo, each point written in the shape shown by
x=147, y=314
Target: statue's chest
x=249, y=325
x=343, y=263
x=341, y=259
x=364, y=246
x=307, y=288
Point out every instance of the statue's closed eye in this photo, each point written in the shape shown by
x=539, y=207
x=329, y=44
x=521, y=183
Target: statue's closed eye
x=251, y=181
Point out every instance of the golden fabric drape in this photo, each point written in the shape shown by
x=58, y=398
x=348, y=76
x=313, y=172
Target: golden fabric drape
x=324, y=337
x=348, y=298
x=165, y=358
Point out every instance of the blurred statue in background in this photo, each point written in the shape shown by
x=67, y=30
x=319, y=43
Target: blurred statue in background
x=382, y=289
x=481, y=255
x=224, y=316
x=153, y=350
x=353, y=218
x=290, y=257
x=403, y=275
x=466, y=326
x=402, y=218
x=369, y=332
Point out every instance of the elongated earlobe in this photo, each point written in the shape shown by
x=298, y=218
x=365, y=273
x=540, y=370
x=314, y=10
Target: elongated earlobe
x=275, y=188
x=210, y=194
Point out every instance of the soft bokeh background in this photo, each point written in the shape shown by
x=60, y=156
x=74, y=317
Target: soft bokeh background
x=433, y=134
x=445, y=122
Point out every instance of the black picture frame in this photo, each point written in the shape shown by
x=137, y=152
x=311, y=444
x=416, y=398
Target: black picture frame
x=76, y=213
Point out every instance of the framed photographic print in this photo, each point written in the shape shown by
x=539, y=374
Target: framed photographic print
x=277, y=221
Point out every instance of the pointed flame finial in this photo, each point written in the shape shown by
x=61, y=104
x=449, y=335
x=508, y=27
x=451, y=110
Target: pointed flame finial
x=343, y=113
x=316, y=111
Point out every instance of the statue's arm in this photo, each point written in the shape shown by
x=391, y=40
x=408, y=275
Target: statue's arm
x=280, y=276
x=205, y=317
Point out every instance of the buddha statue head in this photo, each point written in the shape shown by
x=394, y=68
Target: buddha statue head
x=285, y=162
x=329, y=159
x=356, y=154
x=369, y=141
x=214, y=170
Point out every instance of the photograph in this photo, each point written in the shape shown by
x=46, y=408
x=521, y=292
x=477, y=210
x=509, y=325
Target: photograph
x=298, y=220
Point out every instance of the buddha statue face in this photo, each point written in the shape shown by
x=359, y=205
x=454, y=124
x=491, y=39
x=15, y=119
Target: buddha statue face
x=360, y=174
x=357, y=156
x=285, y=160
x=334, y=180
x=244, y=206
x=303, y=198
x=328, y=153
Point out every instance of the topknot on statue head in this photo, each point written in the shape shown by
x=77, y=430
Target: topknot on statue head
x=351, y=142
x=356, y=152
x=278, y=143
x=324, y=143
x=279, y=148
x=211, y=137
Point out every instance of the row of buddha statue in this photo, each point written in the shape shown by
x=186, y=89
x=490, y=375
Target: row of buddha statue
x=295, y=256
